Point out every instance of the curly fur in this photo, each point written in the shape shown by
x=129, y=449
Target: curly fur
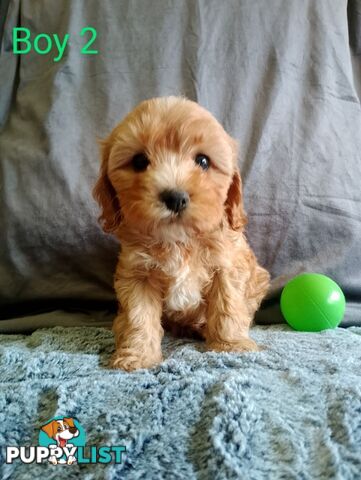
x=191, y=273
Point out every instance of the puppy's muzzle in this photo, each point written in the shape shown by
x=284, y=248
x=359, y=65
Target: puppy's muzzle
x=176, y=201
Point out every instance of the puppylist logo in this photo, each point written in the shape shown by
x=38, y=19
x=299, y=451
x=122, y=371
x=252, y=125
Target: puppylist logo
x=62, y=442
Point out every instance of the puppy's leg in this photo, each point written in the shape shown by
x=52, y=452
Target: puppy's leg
x=228, y=316
x=137, y=329
x=257, y=287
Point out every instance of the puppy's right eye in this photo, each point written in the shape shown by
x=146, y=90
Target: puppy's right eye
x=140, y=162
x=203, y=161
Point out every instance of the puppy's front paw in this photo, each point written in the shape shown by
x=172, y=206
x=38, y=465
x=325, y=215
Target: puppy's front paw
x=245, y=344
x=130, y=360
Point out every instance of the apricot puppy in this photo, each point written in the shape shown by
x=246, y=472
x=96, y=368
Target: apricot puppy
x=170, y=190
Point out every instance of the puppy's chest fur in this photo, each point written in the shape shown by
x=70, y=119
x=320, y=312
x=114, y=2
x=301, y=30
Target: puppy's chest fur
x=184, y=277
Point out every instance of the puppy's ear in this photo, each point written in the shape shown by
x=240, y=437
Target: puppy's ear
x=234, y=204
x=50, y=428
x=105, y=194
x=69, y=421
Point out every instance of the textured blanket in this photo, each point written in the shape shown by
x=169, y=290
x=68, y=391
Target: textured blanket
x=291, y=411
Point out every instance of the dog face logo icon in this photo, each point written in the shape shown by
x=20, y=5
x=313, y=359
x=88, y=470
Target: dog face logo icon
x=60, y=435
x=61, y=430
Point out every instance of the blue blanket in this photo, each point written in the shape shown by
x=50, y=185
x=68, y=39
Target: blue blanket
x=291, y=411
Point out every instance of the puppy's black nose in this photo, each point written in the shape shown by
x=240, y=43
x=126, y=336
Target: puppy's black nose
x=73, y=430
x=175, y=200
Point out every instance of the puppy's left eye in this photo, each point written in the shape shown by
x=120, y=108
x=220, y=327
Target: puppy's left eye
x=203, y=161
x=140, y=162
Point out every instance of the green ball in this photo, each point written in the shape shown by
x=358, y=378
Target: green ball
x=312, y=302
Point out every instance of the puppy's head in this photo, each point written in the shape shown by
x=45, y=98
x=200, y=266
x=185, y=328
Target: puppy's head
x=169, y=166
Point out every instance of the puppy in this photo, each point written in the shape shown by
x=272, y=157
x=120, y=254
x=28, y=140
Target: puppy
x=170, y=190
